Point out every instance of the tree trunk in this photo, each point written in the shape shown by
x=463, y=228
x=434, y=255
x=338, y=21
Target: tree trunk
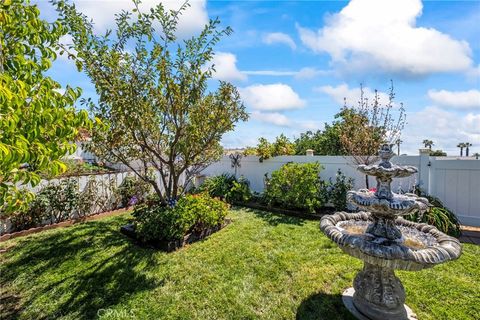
x=461, y=152
x=366, y=182
x=467, y=151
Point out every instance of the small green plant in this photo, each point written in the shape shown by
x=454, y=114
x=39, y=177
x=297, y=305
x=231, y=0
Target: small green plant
x=192, y=213
x=133, y=190
x=264, y=149
x=226, y=187
x=438, y=215
x=239, y=191
x=296, y=185
x=98, y=196
x=56, y=202
x=337, y=190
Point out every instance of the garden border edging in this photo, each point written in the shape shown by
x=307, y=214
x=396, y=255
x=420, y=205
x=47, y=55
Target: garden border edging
x=62, y=224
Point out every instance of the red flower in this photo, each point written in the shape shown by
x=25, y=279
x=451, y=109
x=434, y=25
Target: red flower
x=372, y=189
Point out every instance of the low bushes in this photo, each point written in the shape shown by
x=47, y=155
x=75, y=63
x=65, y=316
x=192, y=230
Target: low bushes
x=337, y=190
x=133, y=190
x=62, y=200
x=438, y=215
x=226, y=187
x=192, y=213
x=296, y=185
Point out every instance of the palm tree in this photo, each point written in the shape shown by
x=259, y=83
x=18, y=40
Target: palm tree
x=428, y=143
x=398, y=142
x=476, y=155
x=467, y=146
x=461, y=145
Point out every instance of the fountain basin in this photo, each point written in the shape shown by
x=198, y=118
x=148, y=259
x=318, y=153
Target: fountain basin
x=421, y=245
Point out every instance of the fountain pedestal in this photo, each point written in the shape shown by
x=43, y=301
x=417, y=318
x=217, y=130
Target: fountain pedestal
x=379, y=294
x=386, y=242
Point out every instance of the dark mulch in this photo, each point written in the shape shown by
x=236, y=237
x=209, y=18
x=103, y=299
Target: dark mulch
x=171, y=245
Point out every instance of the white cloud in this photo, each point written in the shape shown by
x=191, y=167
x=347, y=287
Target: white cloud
x=446, y=129
x=192, y=20
x=273, y=73
x=275, y=118
x=302, y=74
x=281, y=120
x=271, y=97
x=310, y=73
x=381, y=35
x=456, y=99
x=226, y=68
x=279, y=37
x=352, y=95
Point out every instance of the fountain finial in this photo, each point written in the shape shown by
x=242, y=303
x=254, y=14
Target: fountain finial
x=386, y=153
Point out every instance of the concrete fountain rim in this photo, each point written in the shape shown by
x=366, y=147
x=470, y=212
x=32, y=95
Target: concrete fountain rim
x=394, y=256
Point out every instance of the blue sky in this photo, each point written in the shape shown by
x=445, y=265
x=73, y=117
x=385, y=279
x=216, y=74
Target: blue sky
x=294, y=61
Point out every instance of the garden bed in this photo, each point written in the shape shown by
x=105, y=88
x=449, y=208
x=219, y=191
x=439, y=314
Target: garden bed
x=172, y=245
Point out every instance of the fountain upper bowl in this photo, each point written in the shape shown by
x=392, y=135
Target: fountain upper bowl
x=398, y=205
x=421, y=246
x=393, y=171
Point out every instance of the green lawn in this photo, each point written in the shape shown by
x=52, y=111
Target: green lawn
x=261, y=266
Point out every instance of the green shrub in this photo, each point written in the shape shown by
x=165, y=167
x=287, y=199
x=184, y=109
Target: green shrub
x=239, y=192
x=55, y=202
x=192, y=213
x=296, y=185
x=226, y=187
x=98, y=196
x=133, y=190
x=337, y=190
x=438, y=216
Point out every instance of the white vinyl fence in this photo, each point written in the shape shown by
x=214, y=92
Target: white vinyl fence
x=456, y=182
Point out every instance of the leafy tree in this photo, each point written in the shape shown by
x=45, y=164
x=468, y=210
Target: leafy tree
x=250, y=151
x=153, y=98
x=326, y=142
x=438, y=153
x=264, y=149
x=282, y=146
x=37, y=123
x=428, y=143
x=308, y=140
x=370, y=124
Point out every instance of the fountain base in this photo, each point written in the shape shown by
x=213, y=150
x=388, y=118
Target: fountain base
x=379, y=294
x=347, y=298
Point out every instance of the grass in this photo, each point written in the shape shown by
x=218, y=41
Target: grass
x=261, y=266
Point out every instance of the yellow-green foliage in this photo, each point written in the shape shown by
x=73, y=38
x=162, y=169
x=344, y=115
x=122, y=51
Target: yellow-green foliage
x=37, y=123
x=296, y=185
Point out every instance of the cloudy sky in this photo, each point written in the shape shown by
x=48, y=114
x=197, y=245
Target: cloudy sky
x=294, y=62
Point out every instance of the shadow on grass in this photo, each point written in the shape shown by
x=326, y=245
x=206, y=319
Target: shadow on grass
x=77, y=272
x=273, y=219
x=323, y=306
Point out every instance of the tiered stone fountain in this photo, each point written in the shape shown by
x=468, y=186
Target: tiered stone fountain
x=385, y=242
